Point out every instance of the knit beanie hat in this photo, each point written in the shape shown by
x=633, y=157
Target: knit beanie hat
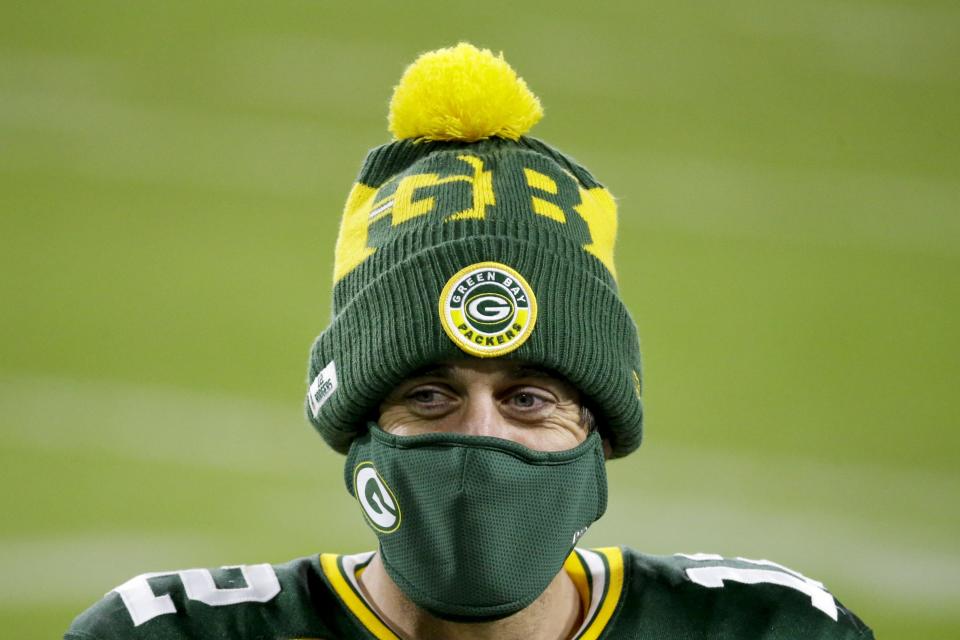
x=466, y=238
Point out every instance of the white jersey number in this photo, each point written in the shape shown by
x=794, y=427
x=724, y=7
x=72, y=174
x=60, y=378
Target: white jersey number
x=144, y=605
x=773, y=573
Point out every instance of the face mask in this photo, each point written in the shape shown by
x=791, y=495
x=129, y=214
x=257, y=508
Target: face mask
x=474, y=527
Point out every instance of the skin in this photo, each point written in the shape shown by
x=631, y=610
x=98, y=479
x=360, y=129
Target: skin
x=490, y=398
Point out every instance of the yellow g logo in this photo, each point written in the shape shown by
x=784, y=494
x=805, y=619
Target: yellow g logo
x=488, y=309
x=379, y=504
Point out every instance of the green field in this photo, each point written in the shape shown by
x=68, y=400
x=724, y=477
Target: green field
x=171, y=178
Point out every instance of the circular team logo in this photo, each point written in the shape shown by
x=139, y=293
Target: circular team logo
x=379, y=504
x=488, y=309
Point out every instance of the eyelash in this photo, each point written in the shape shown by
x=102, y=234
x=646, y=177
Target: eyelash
x=413, y=395
x=510, y=395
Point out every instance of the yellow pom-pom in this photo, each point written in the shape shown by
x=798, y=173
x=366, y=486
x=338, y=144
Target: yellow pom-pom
x=462, y=93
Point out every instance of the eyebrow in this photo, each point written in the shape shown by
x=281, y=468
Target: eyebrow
x=430, y=371
x=514, y=373
x=533, y=371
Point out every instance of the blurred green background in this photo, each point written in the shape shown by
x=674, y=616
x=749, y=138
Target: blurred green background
x=171, y=177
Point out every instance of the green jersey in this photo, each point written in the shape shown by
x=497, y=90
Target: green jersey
x=624, y=594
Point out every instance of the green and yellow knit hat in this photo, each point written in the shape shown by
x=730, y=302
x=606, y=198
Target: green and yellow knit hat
x=466, y=238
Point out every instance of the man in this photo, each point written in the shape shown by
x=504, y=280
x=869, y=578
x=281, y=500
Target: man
x=478, y=371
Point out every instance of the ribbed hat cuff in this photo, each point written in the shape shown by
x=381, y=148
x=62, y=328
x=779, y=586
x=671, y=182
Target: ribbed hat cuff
x=391, y=328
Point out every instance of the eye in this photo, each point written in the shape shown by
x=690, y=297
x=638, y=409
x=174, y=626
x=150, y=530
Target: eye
x=424, y=396
x=429, y=401
x=529, y=401
x=526, y=400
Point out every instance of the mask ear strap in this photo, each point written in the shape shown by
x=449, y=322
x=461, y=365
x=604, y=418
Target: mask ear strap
x=601, y=470
x=359, y=449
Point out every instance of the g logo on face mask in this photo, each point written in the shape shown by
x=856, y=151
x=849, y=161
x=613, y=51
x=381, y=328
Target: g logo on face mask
x=379, y=504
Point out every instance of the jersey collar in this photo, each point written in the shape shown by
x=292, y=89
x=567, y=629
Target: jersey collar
x=597, y=574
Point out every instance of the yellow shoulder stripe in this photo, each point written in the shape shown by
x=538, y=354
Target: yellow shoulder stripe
x=614, y=558
x=578, y=573
x=606, y=585
x=331, y=565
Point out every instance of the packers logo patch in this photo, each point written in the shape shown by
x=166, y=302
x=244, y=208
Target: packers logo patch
x=379, y=504
x=488, y=309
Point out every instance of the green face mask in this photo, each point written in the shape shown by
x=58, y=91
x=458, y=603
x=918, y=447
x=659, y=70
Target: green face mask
x=474, y=527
